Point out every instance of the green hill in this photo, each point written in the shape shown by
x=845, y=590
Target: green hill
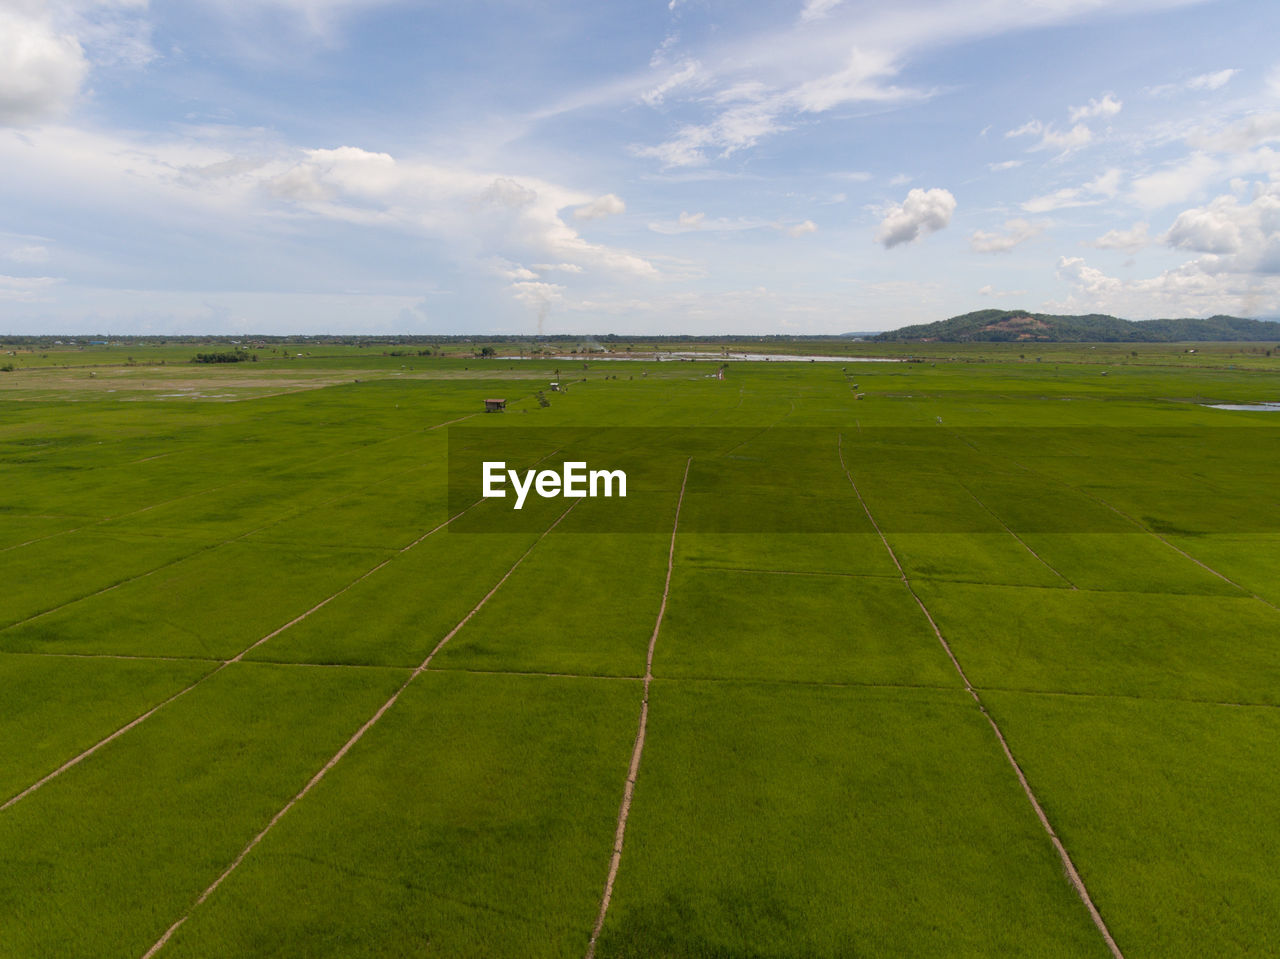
x=1019, y=325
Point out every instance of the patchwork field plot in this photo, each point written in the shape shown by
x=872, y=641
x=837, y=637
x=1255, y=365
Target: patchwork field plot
x=984, y=663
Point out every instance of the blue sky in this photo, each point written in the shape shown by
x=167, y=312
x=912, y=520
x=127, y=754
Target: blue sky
x=679, y=166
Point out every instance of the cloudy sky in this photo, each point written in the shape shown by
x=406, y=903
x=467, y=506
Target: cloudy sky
x=813, y=166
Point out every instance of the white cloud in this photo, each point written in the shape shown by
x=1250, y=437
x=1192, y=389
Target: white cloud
x=686, y=76
x=1016, y=232
x=1108, y=106
x=41, y=67
x=29, y=254
x=1105, y=185
x=1215, y=228
x=859, y=81
x=512, y=216
x=817, y=9
x=25, y=288
x=1003, y=165
x=1237, y=269
x=1091, y=280
x=900, y=179
x=1205, y=81
x=1244, y=136
x=1131, y=240
x=701, y=223
x=163, y=186
x=600, y=207
x=1211, y=81
x=1235, y=237
x=1175, y=184
x=921, y=213
x=1062, y=199
x=753, y=110
x=990, y=290
x=1051, y=138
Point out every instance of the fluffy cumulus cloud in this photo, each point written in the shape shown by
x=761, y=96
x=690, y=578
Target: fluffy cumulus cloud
x=1237, y=268
x=41, y=67
x=921, y=213
x=1016, y=232
x=222, y=185
x=1235, y=237
x=514, y=217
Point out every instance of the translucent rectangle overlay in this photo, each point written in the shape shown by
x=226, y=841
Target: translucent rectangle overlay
x=808, y=480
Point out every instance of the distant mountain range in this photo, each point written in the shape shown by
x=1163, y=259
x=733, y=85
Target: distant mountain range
x=994, y=326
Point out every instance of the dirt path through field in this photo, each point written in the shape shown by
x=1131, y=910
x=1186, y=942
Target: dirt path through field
x=346, y=747
x=628, y=790
x=1072, y=874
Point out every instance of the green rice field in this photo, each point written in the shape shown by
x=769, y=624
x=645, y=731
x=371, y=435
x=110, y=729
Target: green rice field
x=976, y=655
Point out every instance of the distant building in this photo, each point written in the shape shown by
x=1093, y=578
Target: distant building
x=495, y=406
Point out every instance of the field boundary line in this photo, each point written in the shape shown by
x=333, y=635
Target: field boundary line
x=633, y=770
x=1141, y=528
x=222, y=664
x=149, y=659
x=1068, y=865
x=1130, y=696
x=346, y=747
x=235, y=539
x=789, y=572
x=1182, y=552
x=75, y=760
x=355, y=582
x=1024, y=544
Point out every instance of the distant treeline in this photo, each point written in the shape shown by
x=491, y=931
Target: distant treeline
x=227, y=356
x=50, y=340
x=1002, y=326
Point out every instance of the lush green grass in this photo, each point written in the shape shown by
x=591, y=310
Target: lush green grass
x=476, y=820
x=814, y=782
x=1130, y=644
x=58, y=706
x=595, y=620
x=1169, y=810
x=724, y=624
x=100, y=861
x=776, y=821
x=399, y=614
x=214, y=604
